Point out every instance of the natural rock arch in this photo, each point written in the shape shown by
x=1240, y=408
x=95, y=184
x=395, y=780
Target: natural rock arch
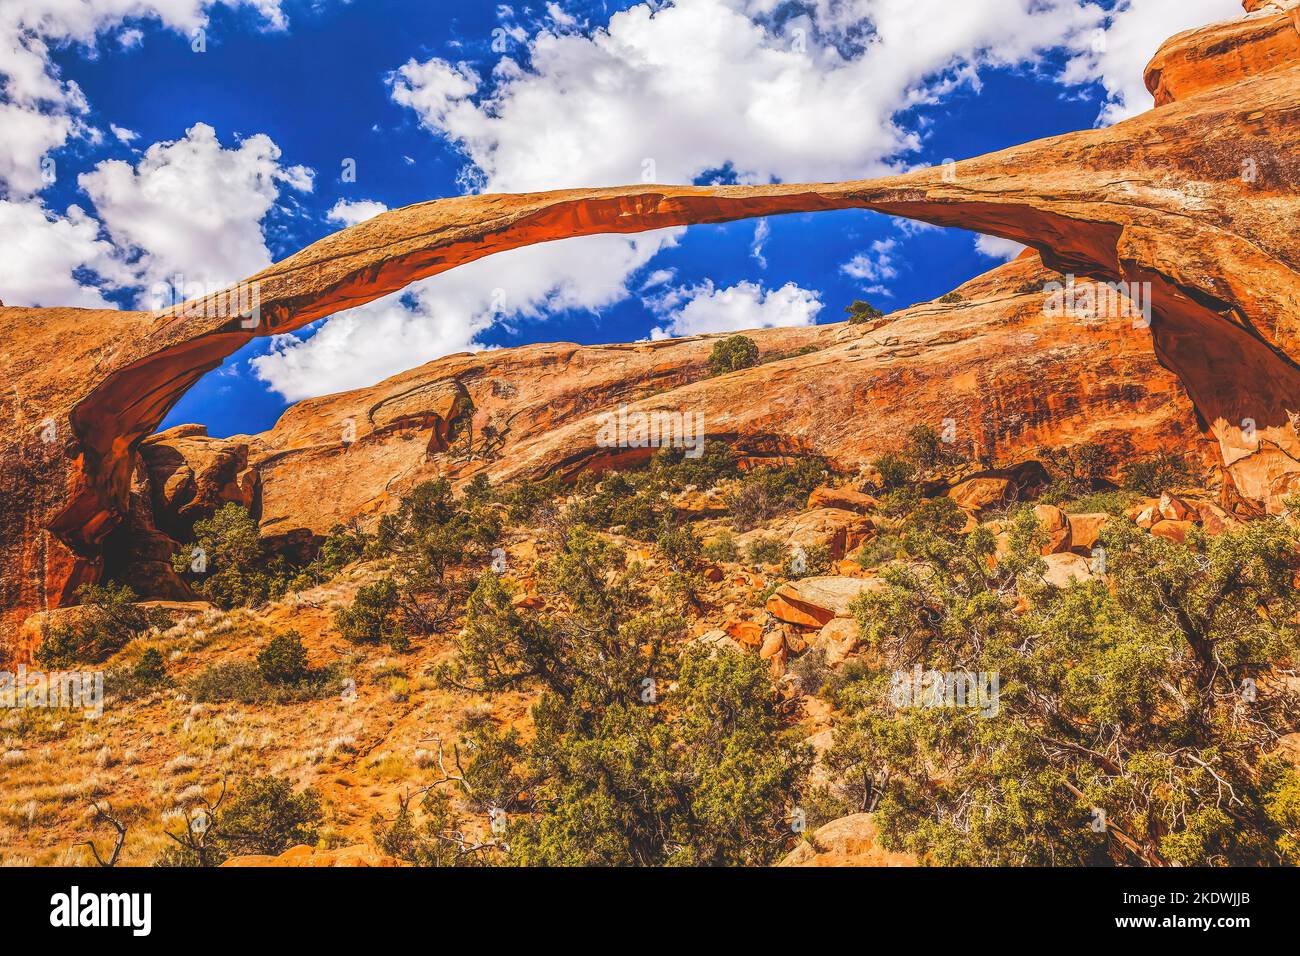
x=1163, y=199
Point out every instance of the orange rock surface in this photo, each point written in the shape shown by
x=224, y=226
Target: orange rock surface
x=191, y=475
x=1011, y=380
x=1225, y=53
x=306, y=856
x=815, y=602
x=848, y=841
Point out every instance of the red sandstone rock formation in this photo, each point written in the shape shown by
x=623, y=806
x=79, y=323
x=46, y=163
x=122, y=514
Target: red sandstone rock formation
x=191, y=475
x=463, y=414
x=848, y=841
x=1197, y=198
x=1009, y=379
x=1223, y=54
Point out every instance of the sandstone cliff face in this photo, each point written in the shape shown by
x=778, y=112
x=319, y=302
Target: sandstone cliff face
x=191, y=475
x=1198, y=198
x=1006, y=377
x=478, y=413
x=1223, y=54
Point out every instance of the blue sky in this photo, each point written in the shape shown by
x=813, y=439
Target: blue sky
x=214, y=163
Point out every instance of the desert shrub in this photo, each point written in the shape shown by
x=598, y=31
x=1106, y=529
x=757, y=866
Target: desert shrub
x=820, y=806
x=939, y=515
x=806, y=562
x=1157, y=474
x=111, y=620
x=1280, y=781
x=950, y=298
x=499, y=646
x=524, y=499
x=810, y=671
x=264, y=816
x=922, y=521
x=433, y=526
x=894, y=471
x=227, y=563
x=613, y=635
x=374, y=617
x=494, y=776
x=882, y=548
x=924, y=447
x=398, y=837
x=1153, y=661
x=343, y=545
x=671, y=469
x=680, y=591
x=711, y=761
x=732, y=354
x=436, y=542
x=150, y=668
x=637, y=501
x=230, y=680
x=715, y=771
x=284, y=659
x=768, y=491
x=625, y=502
x=433, y=838
x=860, y=311
x=722, y=548
x=129, y=682
x=766, y=549
x=899, y=502
x=244, y=682
x=679, y=546
x=1076, y=470
x=750, y=506
x=477, y=491
x=640, y=514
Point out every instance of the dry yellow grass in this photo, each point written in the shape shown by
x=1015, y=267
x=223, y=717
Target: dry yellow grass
x=152, y=759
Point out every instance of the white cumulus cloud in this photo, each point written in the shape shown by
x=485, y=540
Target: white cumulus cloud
x=193, y=207
x=43, y=251
x=875, y=265
x=1116, y=54
x=996, y=247
x=39, y=110
x=762, y=231
x=350, y=212
x=64, y=259
x=673, y=93
x=695, y=310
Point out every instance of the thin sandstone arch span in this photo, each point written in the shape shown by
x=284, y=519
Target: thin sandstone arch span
x=1159, y=199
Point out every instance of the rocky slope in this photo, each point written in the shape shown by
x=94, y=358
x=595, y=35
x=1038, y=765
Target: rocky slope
x=372, y=736
x=1197, y=198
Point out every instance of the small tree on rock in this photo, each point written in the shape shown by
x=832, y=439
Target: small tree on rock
x=732, y=354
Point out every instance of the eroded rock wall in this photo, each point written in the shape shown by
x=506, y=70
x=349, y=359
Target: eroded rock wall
x=1008, y=378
